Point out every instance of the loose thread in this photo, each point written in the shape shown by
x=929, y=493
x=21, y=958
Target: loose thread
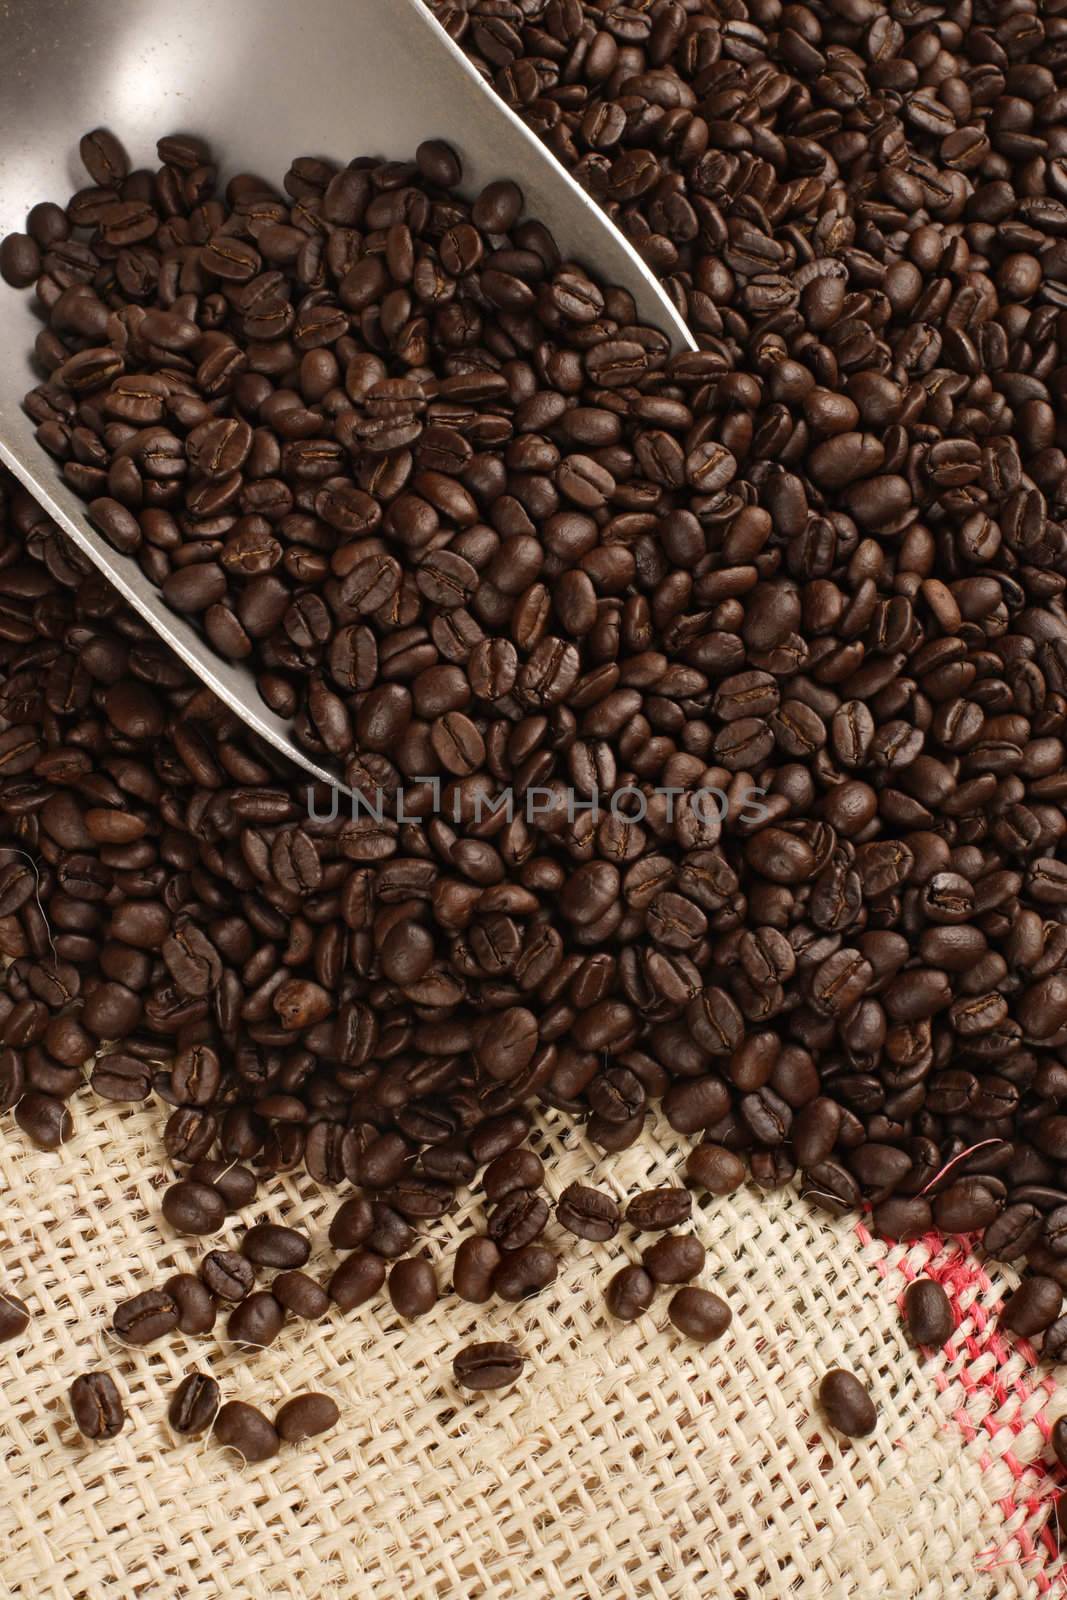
x=13, y=849
x=949, y=1164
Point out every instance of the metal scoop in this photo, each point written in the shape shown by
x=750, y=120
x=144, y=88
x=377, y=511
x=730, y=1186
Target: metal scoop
x=263, y=81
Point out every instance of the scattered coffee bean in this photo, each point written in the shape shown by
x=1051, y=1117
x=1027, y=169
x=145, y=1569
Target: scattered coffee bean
x=515, y=1169
x=269, y=1244
x=228, y=1275
x=846, y=1404
x=195, y=1302
x=359, y=1278
x=494, y=1365
x=194, y=1208
x=301, y=1295
x=699, y=1314
x=524, y=1272
x=256, y=1321
x=928, y=1311
x=472, y=1272
x=14, y=1316
x=715, y=1168
x=96, y=1405
x=588, y=1213
x=629, y=1293
x=305, y=1416
x=236, y=1184
x=245, y=1429
x=674, y=1258
x=146, y=1317
x=1032, y=1307
x=412, y=1287
x=658, y=1209
x=194, y=1404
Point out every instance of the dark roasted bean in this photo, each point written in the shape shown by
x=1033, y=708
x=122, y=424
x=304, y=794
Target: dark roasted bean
x=358, y=1278
x=588, y=1213
x=195, y=1208
x=412, y=1287
x=256, y=1321
x=228, y=1275
x=472, y=1273
x=657, y=1209
x=243, y=1428
x=846, y=1404
x=146, y=1317
x=1032, y=1307
x=487, y=1366
x=629, y=1293
x=195, y=1302
x=674, y=1258
x=14, y=1316
x=304, y=1416
x=928, y=1312
x=194, y=1404
x=699, y=1314
x=269, y=1244
x=96, y=1405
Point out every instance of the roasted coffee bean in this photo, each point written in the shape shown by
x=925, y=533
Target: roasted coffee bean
x=1054, y=1343
x=656, y=1209
x=256, y=1321
x=1011, y=1234
x=44, y=1120
x=269, y=1244
x=1032, y=1307
x=14, y=1316
x=351, y=1224
x=477, y=1258
x=228, y=1275
x=846, y=1404
x=629, y=1293
x=97, y=1406
x=195, y=1302
x=118, y=1077
x=146, y=1317
x=524, y=1272
x=588, y=1213
x=714, y=1168
x=515, y=1169
x=194, y=1208
x=304, y=1416
x=236, y=1184
x=518, y=1220
x=194, y=1405
x=494, y=1365
x=358, y=1278
x=412, y=1287
x=244, y=1428
x=928, y=1312
x=965, y=1205
x=301, y=1295
x=674, y=1258
x=699, y=1314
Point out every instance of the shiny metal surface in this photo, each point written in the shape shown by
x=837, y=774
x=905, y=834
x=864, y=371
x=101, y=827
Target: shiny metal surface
x=263, y=81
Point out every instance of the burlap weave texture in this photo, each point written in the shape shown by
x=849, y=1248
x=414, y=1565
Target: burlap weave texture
x=626, y=1463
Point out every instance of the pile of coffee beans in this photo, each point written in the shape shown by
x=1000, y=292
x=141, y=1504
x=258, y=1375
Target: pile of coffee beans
x=861, y=210
x=765, y=642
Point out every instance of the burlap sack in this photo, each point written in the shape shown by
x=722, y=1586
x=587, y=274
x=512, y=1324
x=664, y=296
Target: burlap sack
x=626, y=1463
